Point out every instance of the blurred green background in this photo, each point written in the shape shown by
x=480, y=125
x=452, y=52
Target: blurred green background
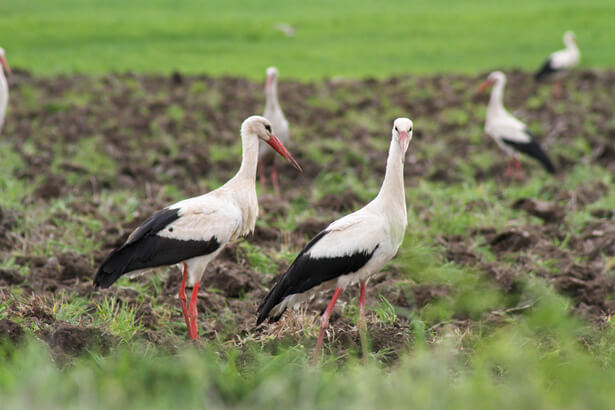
x=350, y=38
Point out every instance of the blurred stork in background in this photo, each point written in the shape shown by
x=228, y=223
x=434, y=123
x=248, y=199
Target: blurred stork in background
x=4, y=87
x=273, y=113
x=559, y=63
x=349, y=250
x=508, y=132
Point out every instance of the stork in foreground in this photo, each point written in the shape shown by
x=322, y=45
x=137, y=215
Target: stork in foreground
x=350, y=249
x=192, y=232
x=273, y=113
x=560, y=62
x=4, y=87
x=508, y=132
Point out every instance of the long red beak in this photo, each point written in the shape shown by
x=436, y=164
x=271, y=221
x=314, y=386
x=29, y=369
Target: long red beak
x=484, y=86
x=5, y=64
x=403, y=140
x=279, y=147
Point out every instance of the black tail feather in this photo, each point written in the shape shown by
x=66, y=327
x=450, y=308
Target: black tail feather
x=532, y=149
x=112, y=268
x=150, y=252
x=546, y=162
x=275, y=296
x=544, y=71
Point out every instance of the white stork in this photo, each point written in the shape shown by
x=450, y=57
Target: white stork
x=508, y=132
x=192, y=232
x=273, y=113
x=560, y=62
x=350, y=249
x=4, y=87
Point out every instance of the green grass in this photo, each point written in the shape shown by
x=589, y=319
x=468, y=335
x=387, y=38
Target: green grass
x=534, y=362
x=351, y=38
x=475, y=345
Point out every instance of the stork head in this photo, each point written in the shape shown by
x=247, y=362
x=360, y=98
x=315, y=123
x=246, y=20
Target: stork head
x=402, y=133
x=3, y=61
x=272, y=77
x=261, y=127
x=569, y=38
x=496, y=77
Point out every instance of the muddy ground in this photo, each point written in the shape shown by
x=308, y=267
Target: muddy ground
x=160, y=131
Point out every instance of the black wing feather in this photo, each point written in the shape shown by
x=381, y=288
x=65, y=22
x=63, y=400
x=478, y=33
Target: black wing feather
x=532, y=149
x=307, y=272
x=546, y=70
x=145, y=249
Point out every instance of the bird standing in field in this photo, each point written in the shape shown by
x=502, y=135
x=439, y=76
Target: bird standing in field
x=349, y=250
x=273, y=113
x=559, y=63
x=4, y=87
x=508, y=132
x=192, y=232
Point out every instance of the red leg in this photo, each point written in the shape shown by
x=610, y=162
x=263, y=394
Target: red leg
x=262, y=178
x=362, y=301
x=509, y=169
x=193, y=299
x=362, y=325
x=274, y=180
x=182, y=299
x=324, y=324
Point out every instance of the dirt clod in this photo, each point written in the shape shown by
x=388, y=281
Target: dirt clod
x=11, y=331
x=231, y=279
x=511, y=240
x=550, y=212
x=67, y=339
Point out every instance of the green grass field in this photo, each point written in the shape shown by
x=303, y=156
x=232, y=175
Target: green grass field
x=467, y=316
x=350, y=38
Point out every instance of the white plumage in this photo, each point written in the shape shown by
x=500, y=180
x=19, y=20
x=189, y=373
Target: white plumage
x=4, y=87
x=511, y=135
x=559, y=63
x=561, y=60
x=273, y=112
x=351, y=249
x=192, y=232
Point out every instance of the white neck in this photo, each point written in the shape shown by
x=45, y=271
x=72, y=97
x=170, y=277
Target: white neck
x=249, y=157
x=392, y=189
x=271, y=97
x=4, y=96
x=496, y=106
x=571, y=46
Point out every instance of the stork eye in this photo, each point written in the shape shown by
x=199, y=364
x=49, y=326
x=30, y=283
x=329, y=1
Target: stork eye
x=396, y=129
x=410, y=130
x=268, y=128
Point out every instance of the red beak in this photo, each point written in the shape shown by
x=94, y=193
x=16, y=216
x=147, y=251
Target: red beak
x=484, y=86
x=279, y=147
x=269, y=81
x=5, y=64
x=403, y=140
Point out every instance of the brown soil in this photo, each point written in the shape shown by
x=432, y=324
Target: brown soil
x=11, y=331
x=150, y=149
